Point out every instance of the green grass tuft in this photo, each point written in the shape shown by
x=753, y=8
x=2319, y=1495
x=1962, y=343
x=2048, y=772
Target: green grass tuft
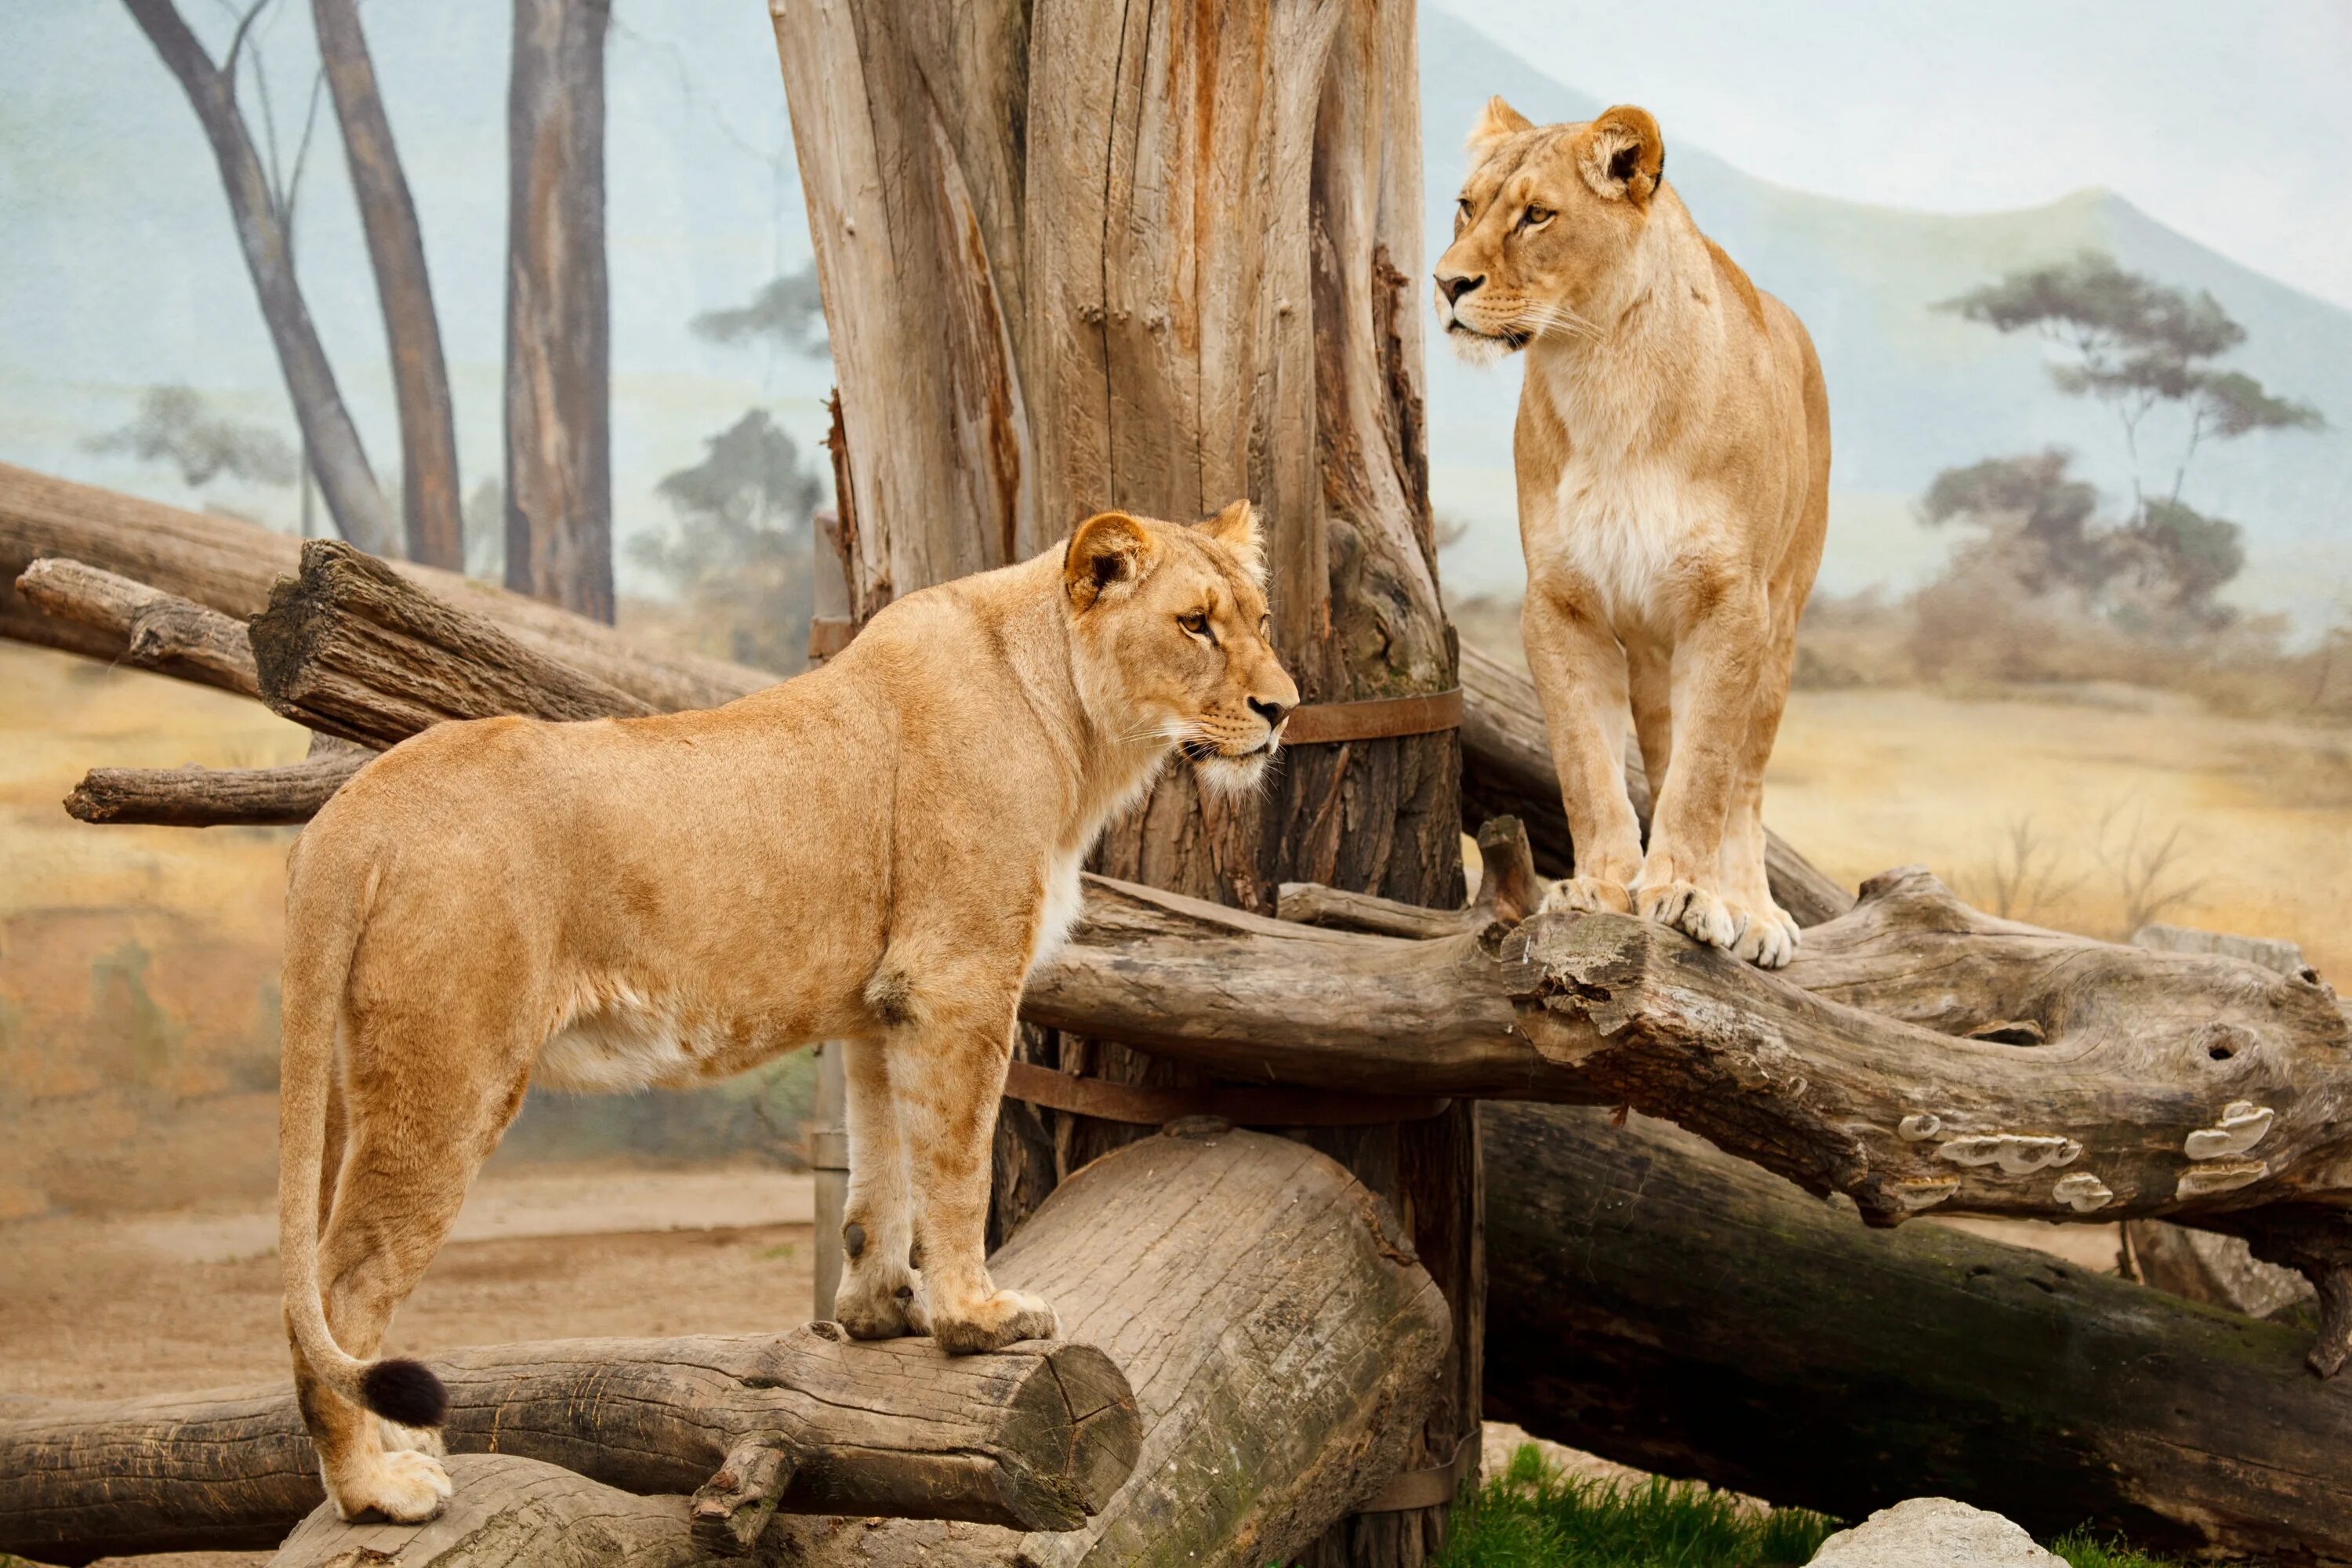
x=1532, y=1516
x=2084, y=1550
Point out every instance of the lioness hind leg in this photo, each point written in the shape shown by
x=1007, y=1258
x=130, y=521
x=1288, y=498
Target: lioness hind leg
x=947, y=1075
x=876, y=1298
x=418, y=1125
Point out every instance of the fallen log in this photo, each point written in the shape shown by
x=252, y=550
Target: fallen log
x=352, y=648
x=1507, y=771
x=230, y=567
x=1037, y=1436
x=159, y=631
x=214, y=797
x=1280, y=1336
x=1658, y=1302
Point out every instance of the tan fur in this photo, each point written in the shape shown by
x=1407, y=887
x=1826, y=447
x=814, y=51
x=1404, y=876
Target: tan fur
x=876, y=851
x=1673, y=454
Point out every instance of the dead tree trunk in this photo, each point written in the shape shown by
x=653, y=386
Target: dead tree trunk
x=1177, y=272
x=559, y=321
x=1667, y=1306
x=1037, y=1436
x=431, y=504
x=353, y=497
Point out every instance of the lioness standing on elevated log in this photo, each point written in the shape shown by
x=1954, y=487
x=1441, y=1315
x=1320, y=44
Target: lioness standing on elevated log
x=876, y=851
x=1673, y=450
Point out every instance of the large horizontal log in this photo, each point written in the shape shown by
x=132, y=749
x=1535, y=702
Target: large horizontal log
x=1655, y=1301
x=1507, y=771
x=2001, y=1070
x=1037, y=1436
x=1281, y=1337
x=230, y=567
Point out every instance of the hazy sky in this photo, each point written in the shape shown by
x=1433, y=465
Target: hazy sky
x=2229, y=120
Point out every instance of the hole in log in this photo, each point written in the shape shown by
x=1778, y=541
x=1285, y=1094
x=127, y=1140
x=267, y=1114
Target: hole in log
x=2008, y=1032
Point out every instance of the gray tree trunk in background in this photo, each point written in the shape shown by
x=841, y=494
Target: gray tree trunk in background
x=431, y=502
x=559, y=456
x=353, y=498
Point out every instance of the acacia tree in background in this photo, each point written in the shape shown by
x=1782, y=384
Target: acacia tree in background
x=432, y=518
x=559, y=459
x=2136, y=345
x=262, y=218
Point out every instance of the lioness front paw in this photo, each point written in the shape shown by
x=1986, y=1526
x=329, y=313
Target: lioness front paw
x=1006, y=1318
x=1587, y=896
x=403, y=1486
x=1768, y=935
x=1690, y=909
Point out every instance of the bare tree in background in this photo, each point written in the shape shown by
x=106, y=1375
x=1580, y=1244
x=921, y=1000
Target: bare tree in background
x=353, y=498
x=431, y=516
x=558, y=332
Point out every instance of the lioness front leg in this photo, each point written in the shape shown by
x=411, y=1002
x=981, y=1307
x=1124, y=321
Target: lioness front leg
x=877, y=1299
x=1716, y=665
x=1579, y=675
x=947, y=1077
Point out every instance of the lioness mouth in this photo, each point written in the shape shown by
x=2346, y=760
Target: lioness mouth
x=1197, y=751
x=1509, y=337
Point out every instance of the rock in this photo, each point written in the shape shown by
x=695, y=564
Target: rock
x=1934, y=1532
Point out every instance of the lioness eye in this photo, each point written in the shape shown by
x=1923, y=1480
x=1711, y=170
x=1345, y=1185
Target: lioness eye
x=1535, y=217
x=1462, y=205
x=1196, y=623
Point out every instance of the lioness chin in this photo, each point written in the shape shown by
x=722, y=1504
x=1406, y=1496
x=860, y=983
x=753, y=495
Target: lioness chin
x=1673, y=456
x=876, y=852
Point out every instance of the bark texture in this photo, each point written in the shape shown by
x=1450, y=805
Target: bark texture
x=353, y=498
x=1175, y=273
x=352, y=648
x=1035, y=1436
x=1280, y=1337
x=558, y=417
x=431, y=504
x=214, y=797
x=1661, y=1303
x=157, y=631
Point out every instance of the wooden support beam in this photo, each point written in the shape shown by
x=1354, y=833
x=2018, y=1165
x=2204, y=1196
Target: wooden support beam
x=1035, y=1436
x=158, y=631
x=214, y=797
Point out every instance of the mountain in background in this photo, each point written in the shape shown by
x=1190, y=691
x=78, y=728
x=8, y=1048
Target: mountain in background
x=1913, y=390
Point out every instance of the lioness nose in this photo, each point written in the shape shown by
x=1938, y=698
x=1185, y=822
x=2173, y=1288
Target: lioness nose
x=1271, y=712
x=1456, y=287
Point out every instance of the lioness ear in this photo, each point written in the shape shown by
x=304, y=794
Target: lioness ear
x=1624, y=157
x=1236, y=528
x=1496, y=121
x=1108, y=549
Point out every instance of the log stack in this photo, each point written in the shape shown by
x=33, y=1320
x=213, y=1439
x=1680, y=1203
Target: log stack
x=1919, y=1057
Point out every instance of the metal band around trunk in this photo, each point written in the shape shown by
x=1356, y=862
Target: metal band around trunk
x=1375, y=719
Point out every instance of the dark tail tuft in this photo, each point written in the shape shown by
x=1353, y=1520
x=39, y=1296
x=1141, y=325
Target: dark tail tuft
x=406, y=1392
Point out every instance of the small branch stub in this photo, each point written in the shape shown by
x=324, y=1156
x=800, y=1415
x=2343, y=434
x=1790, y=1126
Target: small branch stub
x=732, y=1509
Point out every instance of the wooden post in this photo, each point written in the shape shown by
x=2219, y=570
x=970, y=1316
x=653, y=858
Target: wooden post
x=1182, y=271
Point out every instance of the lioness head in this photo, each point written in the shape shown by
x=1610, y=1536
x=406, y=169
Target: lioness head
x=1549, y=228
x=1171, y=638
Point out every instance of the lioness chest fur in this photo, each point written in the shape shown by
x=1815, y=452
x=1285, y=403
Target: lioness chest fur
x=875, y=852
x=1672, y=462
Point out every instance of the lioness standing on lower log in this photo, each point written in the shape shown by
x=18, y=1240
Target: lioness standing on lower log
x=1673, y=450
x=876, y=851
